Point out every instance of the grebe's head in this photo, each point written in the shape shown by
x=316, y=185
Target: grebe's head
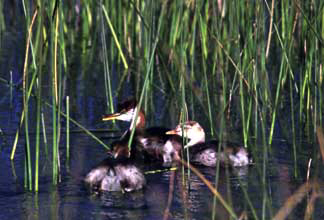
x=191, y=130
x=127, y=112
x=120, y=150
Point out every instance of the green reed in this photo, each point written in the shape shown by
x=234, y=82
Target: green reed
x=54, y=33
x=26, y=96
x=44, y=135
x=148, y=72
x=222, y=127
x=108, y=91
x=84, y=129
x=39, y=52
x=14, y=146
x=57, y=61
x=2, y=21
x=115, y=38
x=182, y=85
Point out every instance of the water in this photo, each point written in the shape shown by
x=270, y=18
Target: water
x=71, y=199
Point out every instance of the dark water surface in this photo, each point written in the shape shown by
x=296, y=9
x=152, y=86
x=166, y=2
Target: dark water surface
x=70, y=199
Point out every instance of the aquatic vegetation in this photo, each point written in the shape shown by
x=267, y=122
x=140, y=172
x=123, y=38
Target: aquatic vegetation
x=255, y=67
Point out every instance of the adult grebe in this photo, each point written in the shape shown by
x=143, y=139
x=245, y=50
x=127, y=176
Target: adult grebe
x=165, y=153
x=150, y=143
x=206, y=153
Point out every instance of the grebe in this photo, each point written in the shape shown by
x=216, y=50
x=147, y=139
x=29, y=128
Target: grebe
x=150, y=143
x=206, y=153
x=116, y=175
x=165, y=153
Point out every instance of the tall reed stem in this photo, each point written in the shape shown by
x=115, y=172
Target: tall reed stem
x=25, y=100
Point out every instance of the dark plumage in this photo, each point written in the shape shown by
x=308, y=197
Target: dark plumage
x=116, y=175
x=148, y=144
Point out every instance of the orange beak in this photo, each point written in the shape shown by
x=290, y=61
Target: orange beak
x=171, y=132
x=110, y=116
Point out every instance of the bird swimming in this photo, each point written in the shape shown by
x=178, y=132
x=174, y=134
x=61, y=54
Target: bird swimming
x=116, y=175
x=149, y=143
x=207, y=153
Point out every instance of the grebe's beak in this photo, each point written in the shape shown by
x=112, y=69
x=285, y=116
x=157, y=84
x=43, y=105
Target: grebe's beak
x=123, y=115
x=111, y=116
x=171, y=132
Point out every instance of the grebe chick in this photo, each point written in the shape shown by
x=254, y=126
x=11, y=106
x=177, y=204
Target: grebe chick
x=206, y=153
x=114, y=175
x=149, y=142
x=164, y=153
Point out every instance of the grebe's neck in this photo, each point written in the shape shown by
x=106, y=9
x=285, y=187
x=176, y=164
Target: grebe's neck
x=140, y=122
x=191, y=130
x=196, y=138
